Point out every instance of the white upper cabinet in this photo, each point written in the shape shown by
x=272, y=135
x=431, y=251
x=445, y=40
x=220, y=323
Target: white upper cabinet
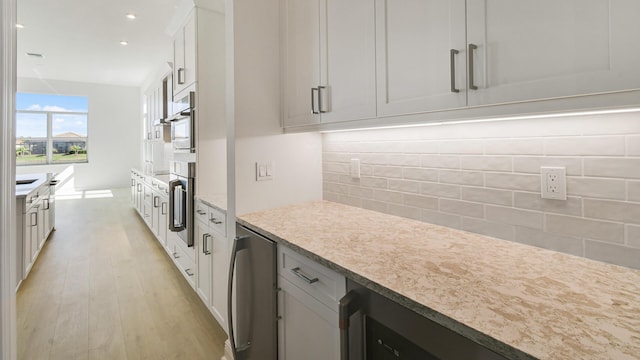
x=184, y=55
x=420, y=55
x=528, y=50
x=329, y=61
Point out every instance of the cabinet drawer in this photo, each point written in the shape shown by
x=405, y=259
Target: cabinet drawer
x=324, y=284
x=217, y=221
x=201, y=211
x=185, y=263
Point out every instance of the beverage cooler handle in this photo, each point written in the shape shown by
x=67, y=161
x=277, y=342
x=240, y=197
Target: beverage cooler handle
x=349, y=305
x=239, y=244
x=173, y=184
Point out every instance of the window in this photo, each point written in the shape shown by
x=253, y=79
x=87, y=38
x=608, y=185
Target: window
x=51, y=129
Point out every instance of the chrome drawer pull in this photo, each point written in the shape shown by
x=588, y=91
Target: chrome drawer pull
x=188, y=271
x=201, y=212
x=297, y=272
x=215, y=221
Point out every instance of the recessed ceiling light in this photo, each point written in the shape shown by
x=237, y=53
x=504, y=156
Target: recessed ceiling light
x=20, y=26
x=123, y=42
x=131, y=16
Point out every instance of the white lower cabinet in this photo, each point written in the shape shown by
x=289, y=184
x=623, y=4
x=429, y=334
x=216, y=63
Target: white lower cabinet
x=212, y=260
x=308, y=308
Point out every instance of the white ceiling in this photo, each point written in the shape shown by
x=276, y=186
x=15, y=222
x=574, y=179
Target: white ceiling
x=80, y=39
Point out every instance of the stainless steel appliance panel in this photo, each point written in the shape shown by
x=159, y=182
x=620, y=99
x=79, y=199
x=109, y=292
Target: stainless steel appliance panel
x=183, y=123
x=253, y=331
x=181, y=200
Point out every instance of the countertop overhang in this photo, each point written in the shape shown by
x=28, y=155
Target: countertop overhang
x=520, y=301
x=25, y=189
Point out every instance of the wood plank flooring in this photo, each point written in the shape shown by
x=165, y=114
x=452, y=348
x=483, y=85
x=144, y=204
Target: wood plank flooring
x=103, y=288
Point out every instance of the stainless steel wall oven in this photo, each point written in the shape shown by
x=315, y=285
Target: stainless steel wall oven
x=181, y=192
x=183, y=123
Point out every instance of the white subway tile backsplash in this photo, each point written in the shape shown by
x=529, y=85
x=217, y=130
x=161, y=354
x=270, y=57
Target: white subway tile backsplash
x=404, y=211
x=388, y=196
x=440, y=161
x=612, y=210
x=461, y=177
x=586, y=146
x=585, y=228
x=531, y=219
x=617, y=254
x=387, y=171
x=633, y=190
x=487, y=196
x=514, y=147
x=441, y=190
x=485, y=178
x=596, y=187
x=633, y=145
x=533, y=201
x=612, y=167
x=463, y=208
x=532, y=165
x=512, y=181
x=633, y=236
x=486, y=163
x=420, y=147
x=404, y=186
x=566, y=244
x=498, y=230
x=461, y=147
x=420, y=174
x=361, y=192
x=403, y=160
x=443, y=219
x=419, y=201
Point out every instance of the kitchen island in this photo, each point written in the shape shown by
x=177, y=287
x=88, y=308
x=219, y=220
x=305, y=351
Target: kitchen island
x=35, y=219
x=519, y=301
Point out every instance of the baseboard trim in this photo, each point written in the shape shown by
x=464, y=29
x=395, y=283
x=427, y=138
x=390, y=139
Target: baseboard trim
x=228, y=354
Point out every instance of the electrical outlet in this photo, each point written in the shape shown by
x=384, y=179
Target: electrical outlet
x=553, y=183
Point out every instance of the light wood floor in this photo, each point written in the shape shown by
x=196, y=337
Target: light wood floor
x=103, y=288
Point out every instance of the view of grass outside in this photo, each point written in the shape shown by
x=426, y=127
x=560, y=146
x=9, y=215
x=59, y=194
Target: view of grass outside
x=51, y=129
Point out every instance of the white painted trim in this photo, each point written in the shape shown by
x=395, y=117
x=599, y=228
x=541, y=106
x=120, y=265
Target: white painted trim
x=228, y=354
x=8, y=342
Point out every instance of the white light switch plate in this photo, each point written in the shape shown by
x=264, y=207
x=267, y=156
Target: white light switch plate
x=355, y=168
x=264, y=170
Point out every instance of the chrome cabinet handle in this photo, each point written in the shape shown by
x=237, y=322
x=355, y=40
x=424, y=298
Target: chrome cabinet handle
x=188, y=272
x=34, y=222
x=204, y=244
x=320, y=88
x=157, y=134
x=472, y=86
x=133, y=182
x=201, y=212
x=180, y=76
x=313, y=101
x=215, y=221
x=175, y=255
x=297, y=272
x=452, y=58
x=164, y=208
x=156, y=201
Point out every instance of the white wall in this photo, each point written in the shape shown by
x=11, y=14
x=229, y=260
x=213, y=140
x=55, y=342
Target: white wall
x=256, y=111
x=113, y=131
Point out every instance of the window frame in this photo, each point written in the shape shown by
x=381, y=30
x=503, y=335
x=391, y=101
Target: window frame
x=50, y=138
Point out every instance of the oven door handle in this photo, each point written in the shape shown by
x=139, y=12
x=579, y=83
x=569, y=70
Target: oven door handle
x=349, y=305
x=174, y=186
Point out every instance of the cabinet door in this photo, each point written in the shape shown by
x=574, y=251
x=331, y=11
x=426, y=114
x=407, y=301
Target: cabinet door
x=414, y=58
x=190, y=51
x=178, y=62
x=348, y=60
x=544, y=49
x=307, y=329
x=28, y=228
x=36, y=230
x=301, y=56
x=163, y=225
x=220, y=268
x=203, y=242
x=45, y=221
x=155, y=214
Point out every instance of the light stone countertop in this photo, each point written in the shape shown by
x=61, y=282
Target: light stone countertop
x=520, y=301
x=26, y=189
